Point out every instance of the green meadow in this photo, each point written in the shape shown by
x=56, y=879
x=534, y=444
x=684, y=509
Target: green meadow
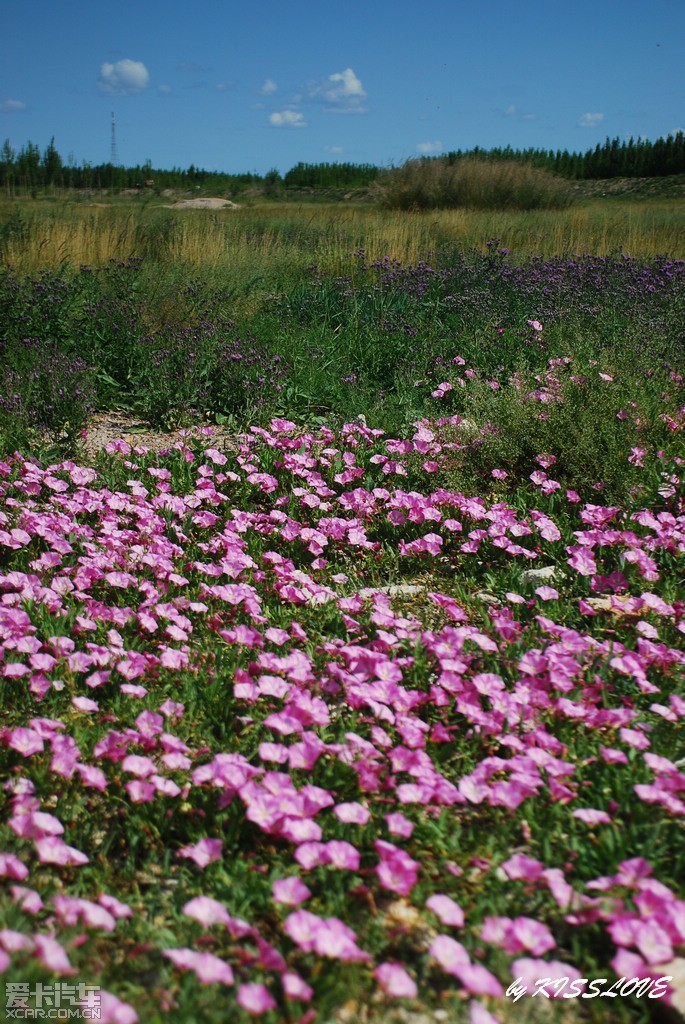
x=362, y=699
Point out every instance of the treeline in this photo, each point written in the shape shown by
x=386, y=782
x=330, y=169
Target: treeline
x=614, y=158
x=343, y=175
x=30, y=170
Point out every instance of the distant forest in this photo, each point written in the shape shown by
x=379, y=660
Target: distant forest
x=31, y=170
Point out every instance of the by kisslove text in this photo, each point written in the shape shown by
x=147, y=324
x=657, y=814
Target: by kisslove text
x=574, y=988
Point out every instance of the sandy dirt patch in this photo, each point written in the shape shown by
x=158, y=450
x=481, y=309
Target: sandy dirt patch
x=202, y=204
x=106, y=427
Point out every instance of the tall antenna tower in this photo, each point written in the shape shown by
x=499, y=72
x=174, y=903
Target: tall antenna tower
x=114, y=152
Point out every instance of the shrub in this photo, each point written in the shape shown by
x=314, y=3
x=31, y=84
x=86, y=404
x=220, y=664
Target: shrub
x=429, y=183
x=46, y=391
x=597, y=427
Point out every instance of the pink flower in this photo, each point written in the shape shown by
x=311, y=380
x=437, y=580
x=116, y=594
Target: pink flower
x=295, y=988
x=207, y=911
x=302, y=928
x=334, y=939
x=311, y=855
x=111, y=1010
x=398, y=825
x=52, y=955
x=589, y=816
x=85, y=704
x=140, y=792
x=446, y=909
x=137, y=765
x=204, y=852
x=325, y=936
x=93, y=777
x=36, y=825
x=13, y=941
x=479, y=1015
x=72, y=909
x=396, y=870
x=535, y=324
x=632, y=872
x=395, y=981
x=114, y=906
x=634, y=738
x=352, y=813
x=449, y=953
x=629, y=965
x=208, y=968
x=342, y=855
x=521, y=867
x=290, y=891
x=215, y=456
x=120, y=579
x=517, y=935
x=477, y=980
x=53, y=850
x=613, y=756
x=532, y=935
x=255, y=999
x=653, y=942
x=26, y=741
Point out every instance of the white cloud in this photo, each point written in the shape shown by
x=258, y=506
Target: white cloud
x=429, y=147
x=12, y=106
x=165, y=90
x=268, y=87
x=590, y=120
x=343, y=91
x=287, y=119
x=334, y=150
x=123, y=78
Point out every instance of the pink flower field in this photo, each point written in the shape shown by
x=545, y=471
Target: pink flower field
x=298, y=724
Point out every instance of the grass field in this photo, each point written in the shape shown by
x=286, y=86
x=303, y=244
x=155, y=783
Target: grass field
x=50, y=234
x=375, y=707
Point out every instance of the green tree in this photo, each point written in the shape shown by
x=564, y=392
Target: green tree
x=7, y=167
x=28, y=166
x=52, y=165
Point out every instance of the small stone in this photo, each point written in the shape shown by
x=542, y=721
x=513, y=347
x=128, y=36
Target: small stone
x=393, y=590
x=529, y=577
x=401, y=590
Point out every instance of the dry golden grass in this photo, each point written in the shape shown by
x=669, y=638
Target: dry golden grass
x=277, y=240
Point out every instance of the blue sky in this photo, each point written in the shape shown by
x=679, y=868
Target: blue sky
x=236, y=85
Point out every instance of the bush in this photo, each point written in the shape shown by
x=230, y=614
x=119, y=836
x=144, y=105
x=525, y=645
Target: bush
x=428, y=183
x=46, y=391
x=597, y=427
